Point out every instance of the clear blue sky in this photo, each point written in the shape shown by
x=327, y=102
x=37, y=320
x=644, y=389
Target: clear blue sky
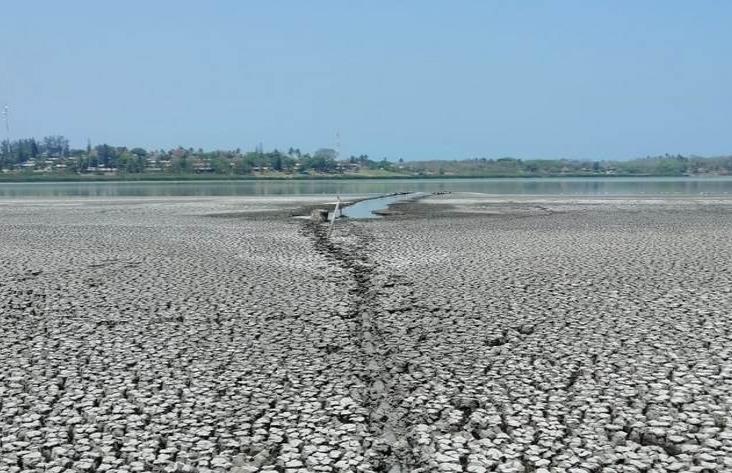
x=411, y=79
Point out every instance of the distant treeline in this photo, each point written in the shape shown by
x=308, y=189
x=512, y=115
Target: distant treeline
x=666, y=165
x=52, y=156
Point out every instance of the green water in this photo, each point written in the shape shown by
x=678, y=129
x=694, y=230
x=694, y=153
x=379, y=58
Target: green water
x=618, y=186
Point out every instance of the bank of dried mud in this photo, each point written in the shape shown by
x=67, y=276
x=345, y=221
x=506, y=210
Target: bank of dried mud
x=457, y=334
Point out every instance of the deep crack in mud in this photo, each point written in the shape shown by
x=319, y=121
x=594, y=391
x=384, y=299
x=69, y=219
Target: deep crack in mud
x=390, y=450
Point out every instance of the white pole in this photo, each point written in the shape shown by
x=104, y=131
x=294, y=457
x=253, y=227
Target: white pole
x=335, y=215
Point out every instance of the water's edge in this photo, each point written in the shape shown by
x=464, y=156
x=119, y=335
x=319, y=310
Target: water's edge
x=615, y=186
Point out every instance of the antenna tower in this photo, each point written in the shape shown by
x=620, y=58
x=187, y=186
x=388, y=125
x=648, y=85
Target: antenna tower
x=338, y=145
x=6, y=119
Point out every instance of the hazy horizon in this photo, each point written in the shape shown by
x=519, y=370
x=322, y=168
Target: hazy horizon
x=414, y=80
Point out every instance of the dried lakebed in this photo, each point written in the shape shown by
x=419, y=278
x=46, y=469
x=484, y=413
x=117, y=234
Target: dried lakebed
x=456, y=335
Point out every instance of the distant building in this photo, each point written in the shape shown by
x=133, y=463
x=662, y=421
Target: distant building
x=102, y=170
x=348, y=167
x=202, y=167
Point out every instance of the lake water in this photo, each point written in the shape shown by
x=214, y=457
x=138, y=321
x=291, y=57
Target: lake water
x=617, y=186
x=366, y=208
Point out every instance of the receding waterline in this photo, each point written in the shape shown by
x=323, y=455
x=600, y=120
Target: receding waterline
x=595, y=186
x=367, y=208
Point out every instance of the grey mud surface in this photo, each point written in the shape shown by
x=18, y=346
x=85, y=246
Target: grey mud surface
x=461, y=333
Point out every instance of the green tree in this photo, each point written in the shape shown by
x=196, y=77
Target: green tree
x=220, y=166
x=56, y=146
x=139, y=152
x=181, y=165
x=322, y=161
x=242, y=166
x=277, y=162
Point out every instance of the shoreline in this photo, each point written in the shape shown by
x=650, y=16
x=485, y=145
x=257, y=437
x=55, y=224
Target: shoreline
x=455, y=197
x=4, y=179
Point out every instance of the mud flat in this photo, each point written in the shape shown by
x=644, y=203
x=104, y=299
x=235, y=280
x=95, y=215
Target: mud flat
x=460, y=333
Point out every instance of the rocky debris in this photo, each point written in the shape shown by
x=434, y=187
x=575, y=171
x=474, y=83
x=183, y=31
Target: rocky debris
x=147, y=337
x=319, y=215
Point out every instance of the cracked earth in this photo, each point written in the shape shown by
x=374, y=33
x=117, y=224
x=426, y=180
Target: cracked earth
x=450, y=336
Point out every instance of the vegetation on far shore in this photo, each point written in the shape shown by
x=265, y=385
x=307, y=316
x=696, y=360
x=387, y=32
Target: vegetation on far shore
x=51, y=159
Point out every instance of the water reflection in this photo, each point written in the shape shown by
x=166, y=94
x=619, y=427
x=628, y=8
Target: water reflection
x=518, y=186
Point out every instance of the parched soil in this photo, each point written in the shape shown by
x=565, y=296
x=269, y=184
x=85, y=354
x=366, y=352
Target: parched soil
x=532, y=336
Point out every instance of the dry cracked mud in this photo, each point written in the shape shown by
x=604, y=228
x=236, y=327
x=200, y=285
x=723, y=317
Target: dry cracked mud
x=455, y=335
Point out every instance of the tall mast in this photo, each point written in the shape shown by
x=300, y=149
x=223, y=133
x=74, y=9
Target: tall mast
x=338, y=145
x=6, y=119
